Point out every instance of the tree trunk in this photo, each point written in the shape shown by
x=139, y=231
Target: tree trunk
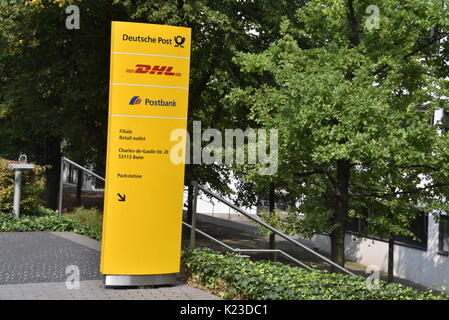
x=341, y=208
x=52, y=157
x=79, y=185
x=272, y=201
x=390, y=258
x=337, y=248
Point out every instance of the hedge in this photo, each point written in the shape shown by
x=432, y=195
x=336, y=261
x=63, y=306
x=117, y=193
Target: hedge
x=50, y=222
x=234, y=277
x=33, y=185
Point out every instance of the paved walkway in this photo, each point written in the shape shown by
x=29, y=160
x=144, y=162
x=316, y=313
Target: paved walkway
x=94, y=290
x=33, y=265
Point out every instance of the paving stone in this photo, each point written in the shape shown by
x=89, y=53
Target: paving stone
x=34, y=257
x=33, y=266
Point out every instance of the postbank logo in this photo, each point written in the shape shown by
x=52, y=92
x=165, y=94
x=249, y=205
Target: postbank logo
x=158, y=70
x=135, y=101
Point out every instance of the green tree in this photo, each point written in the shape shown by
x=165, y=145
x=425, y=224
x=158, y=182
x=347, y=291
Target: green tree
x=55, y=80
x=220, y=29
x=345, y=99
x=55, y=83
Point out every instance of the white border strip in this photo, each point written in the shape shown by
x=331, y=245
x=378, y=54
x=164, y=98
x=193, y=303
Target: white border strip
x=151, y=55
x=146, y=85
x=153, y=117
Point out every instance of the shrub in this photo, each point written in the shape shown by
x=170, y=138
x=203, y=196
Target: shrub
x=33, y=185
x=90, y=217
x=49, y=222
x=232, y=276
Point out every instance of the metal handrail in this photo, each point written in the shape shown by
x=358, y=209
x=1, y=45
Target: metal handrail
x=193, y=226
x=238, y=250
x=260, y=222
x=82, y=168
x=64, y=159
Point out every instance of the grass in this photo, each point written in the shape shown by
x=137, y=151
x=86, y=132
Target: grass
x=90, y=217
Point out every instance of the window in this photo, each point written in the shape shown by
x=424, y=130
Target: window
x=356, y=225
x=418, y=227
x=445, y=122
x=423, y=109
x=443, y=243
x=353, y=225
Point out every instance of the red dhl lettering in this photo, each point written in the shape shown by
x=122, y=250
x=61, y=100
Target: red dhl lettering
x=159, y=70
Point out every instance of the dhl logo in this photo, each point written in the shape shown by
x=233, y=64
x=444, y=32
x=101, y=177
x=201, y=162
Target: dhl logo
x=160, y=70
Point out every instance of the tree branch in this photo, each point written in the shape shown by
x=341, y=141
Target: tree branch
x=354, y=24
x=417, y=190
x=318, y=171
x=432, y=40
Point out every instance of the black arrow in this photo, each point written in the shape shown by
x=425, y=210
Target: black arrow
x=121, y=198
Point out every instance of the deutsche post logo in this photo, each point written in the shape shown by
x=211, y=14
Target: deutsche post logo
x=160, y=70
x=179, y=41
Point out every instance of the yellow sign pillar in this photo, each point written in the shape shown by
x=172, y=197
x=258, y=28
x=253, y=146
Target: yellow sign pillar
x=148, y=97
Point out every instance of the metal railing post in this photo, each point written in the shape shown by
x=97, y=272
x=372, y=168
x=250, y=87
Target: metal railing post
x=194, y=202
x=61, y=186
x=239, y=251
